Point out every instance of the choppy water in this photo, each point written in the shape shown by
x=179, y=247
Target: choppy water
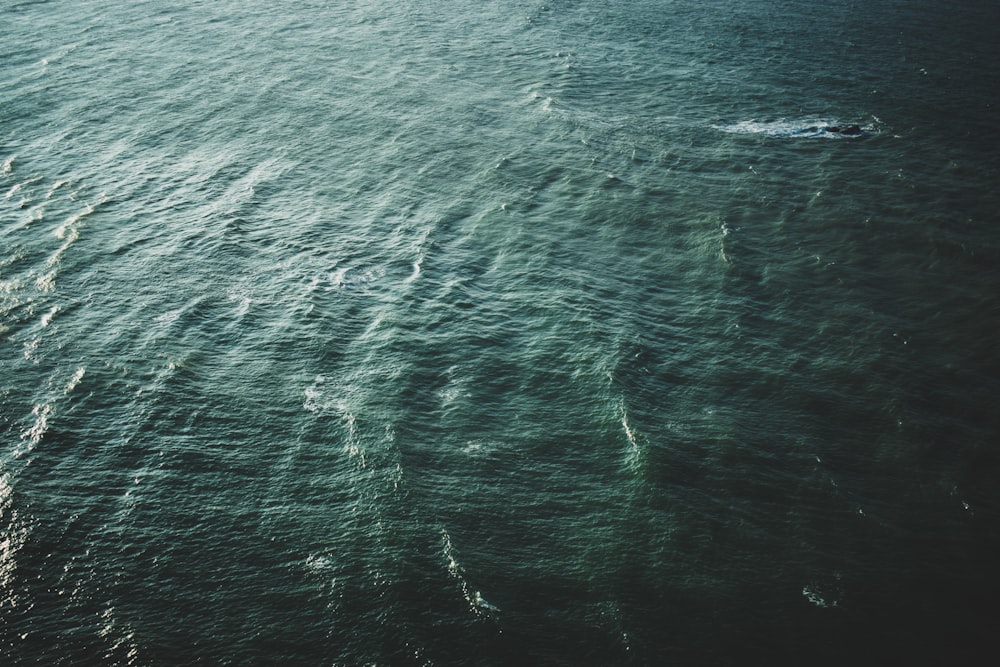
x=447, y=333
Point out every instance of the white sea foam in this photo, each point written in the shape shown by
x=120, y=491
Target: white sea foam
x=629, y=433
x=33, y=435
x=477, y=603
x=47, y=317
x=808, y=128
x=320, y=563
x=482, y=449
x=336, y=278
x=818, y=596
x=635, y=453
x=452, y=393
x=30, y=349
x=55, y=186
x=353, y=444
x=242, y=300
x=319, y=401
x=169, y=317
x=70, y=234
x=75, y=379
x=416, y=270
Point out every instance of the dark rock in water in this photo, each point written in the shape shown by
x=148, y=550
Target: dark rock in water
x=847, y=129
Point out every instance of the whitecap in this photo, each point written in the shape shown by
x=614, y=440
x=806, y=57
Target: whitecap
x=629, y=433
x=318, y=401
x=47, y=317
x=70, y=238
x=477, y=603
x=70, y=234
x=242, y=300
x=55, y=186
x=75, y=380
x=315, y=400
x=823, y=596
x=353, y=446
x=31, y=348
x=813, y=596
x=168, y=317
x=478, y=449
x=47, y=282
x=807, y=128
x=68, y=226
x=454, y=391
x=31, y=436
x=634, y=453
x=370, y=329
x=722, y=242
x=416, y=270
x=337, y=277
x=320, y=564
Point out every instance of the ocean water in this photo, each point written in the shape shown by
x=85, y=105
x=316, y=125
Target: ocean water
x=499, y=333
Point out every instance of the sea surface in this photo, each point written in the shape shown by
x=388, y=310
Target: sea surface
x=499, y=333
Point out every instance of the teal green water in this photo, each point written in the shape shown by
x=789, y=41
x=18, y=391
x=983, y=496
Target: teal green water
x=510, y=333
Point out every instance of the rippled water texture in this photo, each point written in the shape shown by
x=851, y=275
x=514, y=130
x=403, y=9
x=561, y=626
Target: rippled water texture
x=498, y=333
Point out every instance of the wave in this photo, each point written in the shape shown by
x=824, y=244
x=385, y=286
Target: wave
x=477, y=603
x=808, y=128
